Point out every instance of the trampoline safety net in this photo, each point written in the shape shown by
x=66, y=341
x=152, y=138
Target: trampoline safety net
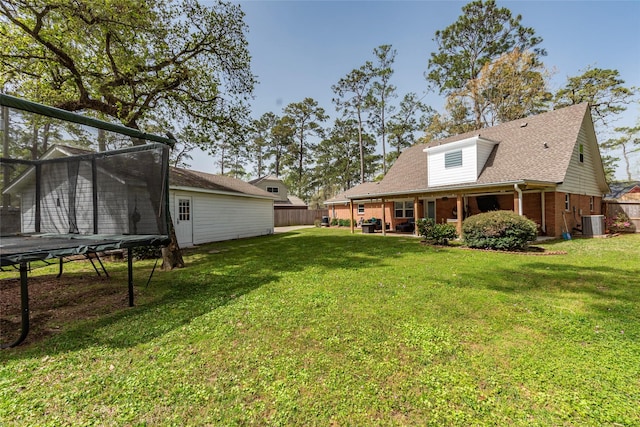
x=72, y=189
x=116, y=192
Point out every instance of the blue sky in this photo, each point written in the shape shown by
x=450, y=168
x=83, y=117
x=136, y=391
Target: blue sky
x=300, y=49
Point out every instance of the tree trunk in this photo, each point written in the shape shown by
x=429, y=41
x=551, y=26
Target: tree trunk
x=102, y=139
x=34, y=143
x=45, y=137
x=6, y=197
x=361, y=146
x=171, y=254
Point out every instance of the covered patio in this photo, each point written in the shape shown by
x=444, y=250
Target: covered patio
x=535, y=200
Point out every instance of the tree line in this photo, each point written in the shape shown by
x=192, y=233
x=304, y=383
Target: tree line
x=185, y=67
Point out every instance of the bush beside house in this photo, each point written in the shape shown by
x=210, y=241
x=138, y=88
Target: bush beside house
x=501, y=230
x=435, y=233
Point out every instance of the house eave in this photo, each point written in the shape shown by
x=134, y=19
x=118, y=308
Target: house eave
x=218, y=192
x=448, y=189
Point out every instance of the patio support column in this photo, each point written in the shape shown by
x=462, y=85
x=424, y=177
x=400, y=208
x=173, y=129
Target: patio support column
x=543, y=219
x=415, y=215
x=351, y=216
x=460, y=214
x=384, y=219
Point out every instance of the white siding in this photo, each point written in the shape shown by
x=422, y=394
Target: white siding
x=439, y=175
x=84, y=199
x=282, y=194
x=582, y=178
x=112, y=206
x=219, y=217
x=475, y=152
x=484, y=151
x=54, y=203
x=28, y=211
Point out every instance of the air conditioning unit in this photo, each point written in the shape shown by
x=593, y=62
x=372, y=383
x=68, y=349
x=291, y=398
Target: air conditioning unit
x=593, y=225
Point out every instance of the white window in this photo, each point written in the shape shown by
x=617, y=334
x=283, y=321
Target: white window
x=567, y=203
x=360, y=209
x=453, y=159
x=184, y=210
x=272, y=189
x=403, y=209
x=592, y=203
x=581, y=153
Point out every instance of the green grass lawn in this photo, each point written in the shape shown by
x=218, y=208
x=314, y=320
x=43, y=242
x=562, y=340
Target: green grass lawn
x=321, y=327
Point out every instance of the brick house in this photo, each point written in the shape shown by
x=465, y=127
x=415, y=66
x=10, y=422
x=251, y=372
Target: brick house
x=546, y=167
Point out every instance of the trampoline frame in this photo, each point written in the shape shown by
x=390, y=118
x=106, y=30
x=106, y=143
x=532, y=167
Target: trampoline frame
x=78, y=245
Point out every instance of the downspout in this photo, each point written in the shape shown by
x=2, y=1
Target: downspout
x=519, y=191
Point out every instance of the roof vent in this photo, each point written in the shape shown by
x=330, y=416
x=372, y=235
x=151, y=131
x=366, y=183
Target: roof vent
x=546, y=145
x=523, y=125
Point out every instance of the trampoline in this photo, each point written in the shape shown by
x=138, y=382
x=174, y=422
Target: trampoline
x=62, y=206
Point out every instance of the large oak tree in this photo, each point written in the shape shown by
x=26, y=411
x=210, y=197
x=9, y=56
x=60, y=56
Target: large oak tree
x=146, y=64
x=137, y=62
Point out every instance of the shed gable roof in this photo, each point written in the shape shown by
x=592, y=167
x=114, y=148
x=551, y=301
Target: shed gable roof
x=179, y=177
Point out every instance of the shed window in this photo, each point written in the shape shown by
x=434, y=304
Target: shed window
x=403, y=209
x=453, y=159
x=184, y=210
x=360, y=209
x=567, y=203
x=272, y=189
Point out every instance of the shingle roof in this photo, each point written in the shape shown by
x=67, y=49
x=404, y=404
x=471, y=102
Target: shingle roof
x=59, y=150
x=519, y=155
x=364, y=188
x=264, y=178
x=201, y=180
x=291, y=201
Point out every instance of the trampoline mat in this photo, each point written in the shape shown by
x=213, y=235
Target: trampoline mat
x=37, y=247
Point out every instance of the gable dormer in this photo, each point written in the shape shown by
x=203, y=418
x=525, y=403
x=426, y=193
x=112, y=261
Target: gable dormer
x=273, y=185
x=457, y=162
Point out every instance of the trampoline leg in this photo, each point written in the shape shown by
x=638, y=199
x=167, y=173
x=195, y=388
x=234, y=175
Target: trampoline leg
x=102, y=266
x=93, y=265
x=60, y=269
x=24, y=306
x=130, y=268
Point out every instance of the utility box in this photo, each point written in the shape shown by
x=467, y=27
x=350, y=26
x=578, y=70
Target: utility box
x=593, y=225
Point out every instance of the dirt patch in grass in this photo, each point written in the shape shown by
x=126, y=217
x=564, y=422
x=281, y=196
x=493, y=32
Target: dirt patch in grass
x=54, y=303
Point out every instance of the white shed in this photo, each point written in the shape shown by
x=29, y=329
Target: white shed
x=210, y=208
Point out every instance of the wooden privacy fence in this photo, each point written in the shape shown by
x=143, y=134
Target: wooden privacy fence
x=287, y=217
x=629, y=207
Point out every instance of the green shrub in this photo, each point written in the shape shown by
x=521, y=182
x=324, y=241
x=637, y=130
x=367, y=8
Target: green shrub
x=334, y=221
x=501, y=230
x=344, y=222
x=439, y=234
